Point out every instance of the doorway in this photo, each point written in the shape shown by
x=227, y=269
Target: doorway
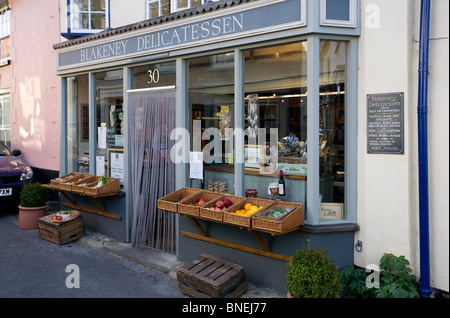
x=151, y=118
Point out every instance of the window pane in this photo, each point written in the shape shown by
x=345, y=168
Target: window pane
x=98, y=5
x=81, y=5
x=195, y=3
x=182, y=4
x=109, y=92
x=98, y=21
x=332, y=120
x=275, y=120
x=154, y=9
x=78, y=123
x=211, y=101
x=165, y=7
x=155, y=75
x=338, y=10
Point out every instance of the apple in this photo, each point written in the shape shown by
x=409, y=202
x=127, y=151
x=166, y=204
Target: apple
x=201, y=201
x=220, y=204
x=226, y=202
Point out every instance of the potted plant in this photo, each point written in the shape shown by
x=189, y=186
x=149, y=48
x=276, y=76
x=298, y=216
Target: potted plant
x=33, y=205
x=311, y=274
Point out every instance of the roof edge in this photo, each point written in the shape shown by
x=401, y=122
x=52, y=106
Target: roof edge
x=150, y=22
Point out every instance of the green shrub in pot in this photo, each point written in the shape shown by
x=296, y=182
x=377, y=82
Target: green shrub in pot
x=312, y=274
x=34, y=195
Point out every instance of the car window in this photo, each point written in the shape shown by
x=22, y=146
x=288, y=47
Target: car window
x=3, y=150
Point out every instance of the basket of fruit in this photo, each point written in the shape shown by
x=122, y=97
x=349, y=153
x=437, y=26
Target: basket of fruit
x=64, y=216
x=241, y=213
x=190, y=205
x=169, y=202
x=280, y=218
x=214, y=210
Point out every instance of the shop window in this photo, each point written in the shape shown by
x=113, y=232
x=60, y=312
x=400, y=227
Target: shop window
x=211, y=102
x=87, y=16
x=156, y=8
x=78, y=124
x=338, y=13
x=154, y=75
x=332, y=128
x=276, y=120
x=109, y=155
x=4, y=36
x=5, y=126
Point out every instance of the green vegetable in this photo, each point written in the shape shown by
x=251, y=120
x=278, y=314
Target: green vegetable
x=103, y=181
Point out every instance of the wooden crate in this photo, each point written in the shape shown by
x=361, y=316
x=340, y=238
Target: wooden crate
x=288, y=222
x=243, y=220
x=206, y=213
x=61, y=232
x=211, y=277
x=185, y=206
x=169, y=202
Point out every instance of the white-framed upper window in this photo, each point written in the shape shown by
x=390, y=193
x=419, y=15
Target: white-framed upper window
x=340, y=13
x=157, y=8
x=87, y=16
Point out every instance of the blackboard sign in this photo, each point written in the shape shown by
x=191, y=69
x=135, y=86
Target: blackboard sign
x=385, y=133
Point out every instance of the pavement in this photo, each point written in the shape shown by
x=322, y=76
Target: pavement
x=31, y=267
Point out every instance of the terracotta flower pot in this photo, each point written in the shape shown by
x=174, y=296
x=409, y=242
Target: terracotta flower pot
x=28, y=217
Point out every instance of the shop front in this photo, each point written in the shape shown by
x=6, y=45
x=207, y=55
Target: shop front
x=224, y=102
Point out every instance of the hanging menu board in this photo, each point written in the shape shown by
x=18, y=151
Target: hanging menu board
x=385, y=133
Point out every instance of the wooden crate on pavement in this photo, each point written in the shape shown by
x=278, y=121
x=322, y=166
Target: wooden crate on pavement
x=61, y=232
x=211, y=277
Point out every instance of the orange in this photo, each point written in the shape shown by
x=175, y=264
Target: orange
x=247, y=206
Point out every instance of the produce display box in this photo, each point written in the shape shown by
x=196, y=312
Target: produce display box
x=243, y=220
x=188, y=205
x=211, y=277
x=217, y=215
x=61, y=232
x=111, y=188
x=169, y=202
x=67, y=185
x=283, y=224
x=56, y=183
x=80, y=185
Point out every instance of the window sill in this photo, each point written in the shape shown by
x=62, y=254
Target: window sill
x=329, y=228
x=5, y=61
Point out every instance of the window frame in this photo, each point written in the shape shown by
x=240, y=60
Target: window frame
x=81, y=32
x=173, y=6
x=350, y=23
x=5, y=35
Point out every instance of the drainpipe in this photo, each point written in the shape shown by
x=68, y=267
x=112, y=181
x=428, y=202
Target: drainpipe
x=422, y=110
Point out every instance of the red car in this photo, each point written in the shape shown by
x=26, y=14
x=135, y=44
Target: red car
x=14, y=173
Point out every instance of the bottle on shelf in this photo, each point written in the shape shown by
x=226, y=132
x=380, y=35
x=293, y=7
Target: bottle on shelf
x=281, y=185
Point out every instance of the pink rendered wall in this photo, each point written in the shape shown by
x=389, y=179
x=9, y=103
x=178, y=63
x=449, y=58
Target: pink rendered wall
x=34, y=86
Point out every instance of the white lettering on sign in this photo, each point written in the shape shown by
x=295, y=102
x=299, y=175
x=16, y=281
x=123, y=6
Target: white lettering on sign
x=104, y=51
x=193, y=32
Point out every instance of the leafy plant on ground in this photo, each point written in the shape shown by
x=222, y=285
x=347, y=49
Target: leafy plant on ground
x=396, y=280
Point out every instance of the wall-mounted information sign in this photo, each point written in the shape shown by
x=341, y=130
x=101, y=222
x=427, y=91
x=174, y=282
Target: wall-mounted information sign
x=385, y=121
